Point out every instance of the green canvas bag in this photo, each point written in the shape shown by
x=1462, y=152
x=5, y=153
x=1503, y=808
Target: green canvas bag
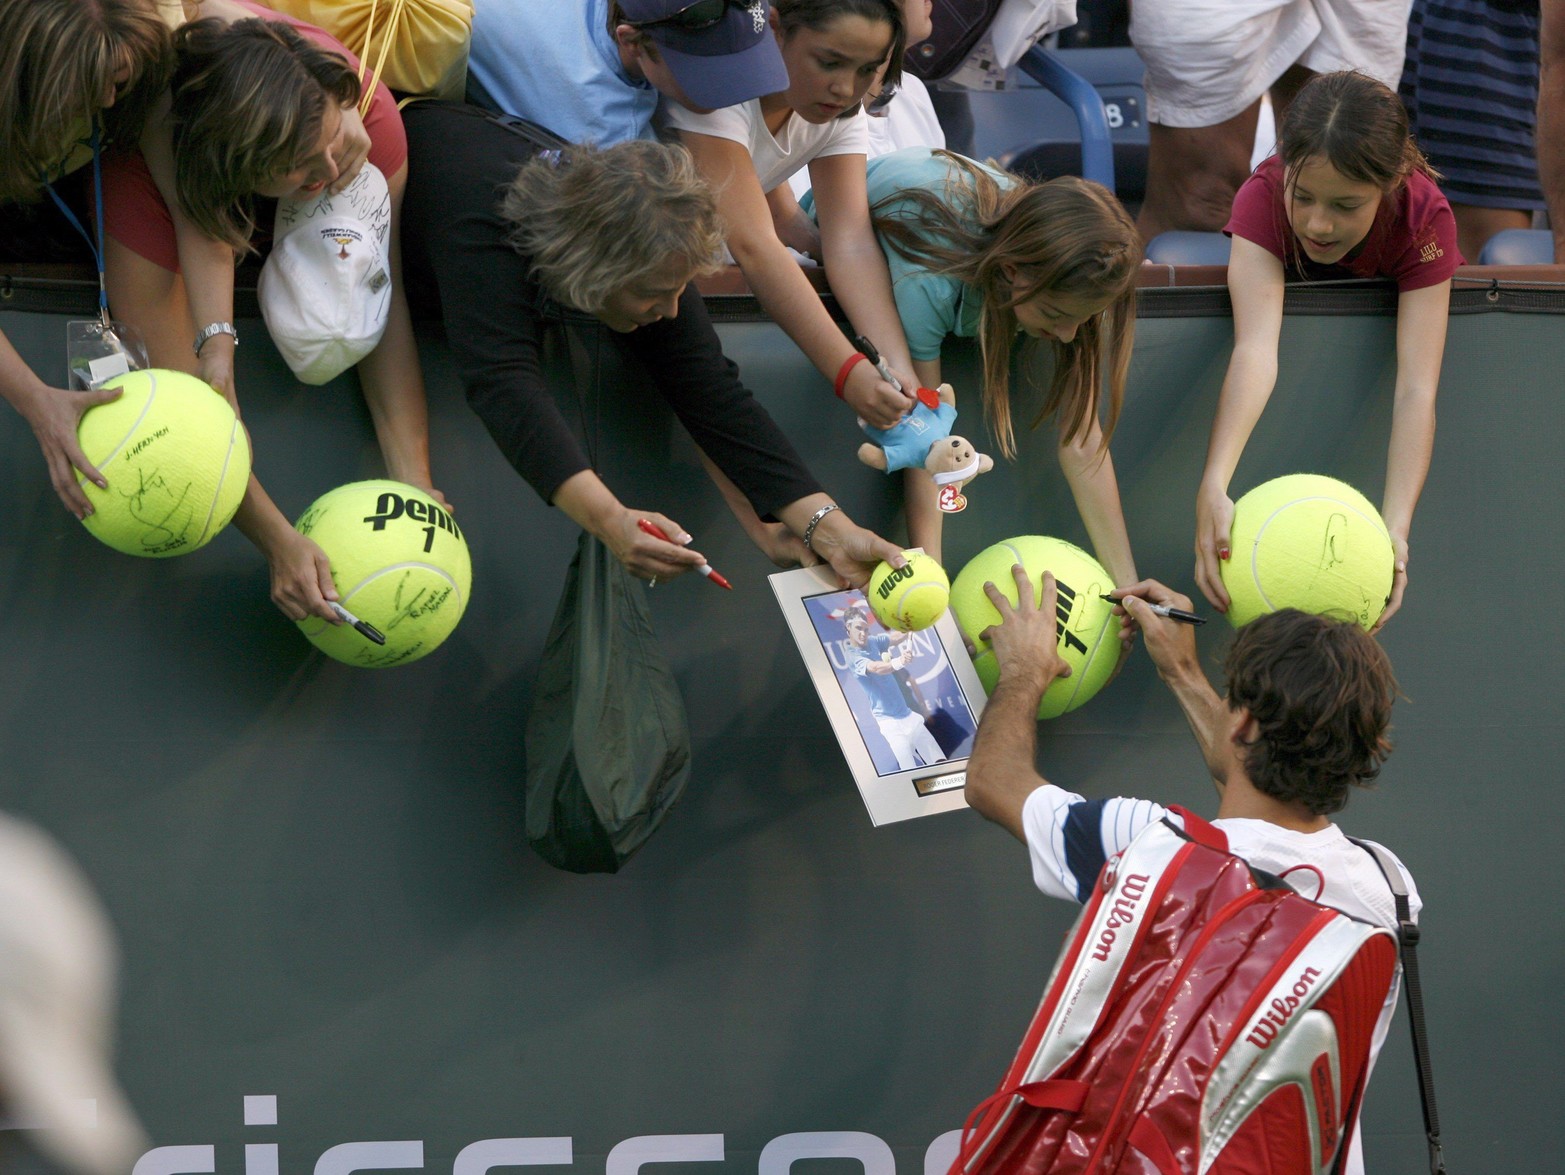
x=608, y=746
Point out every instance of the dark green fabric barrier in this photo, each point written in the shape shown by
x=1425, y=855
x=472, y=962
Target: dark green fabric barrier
x=321, y=876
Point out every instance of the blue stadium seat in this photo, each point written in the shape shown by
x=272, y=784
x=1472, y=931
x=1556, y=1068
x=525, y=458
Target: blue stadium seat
x=1184, y=248
x=1029, y=129
x=1519, y=246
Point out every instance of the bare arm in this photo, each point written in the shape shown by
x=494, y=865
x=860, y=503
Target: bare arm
x=794, y=229
x=1255, y=282
x=592, y=506
x=1002, y=771
x=920, y=496
x=206, y=265
x=393, y=379
x=1090, y=472
x=300, y=572
x=780, y=284
x=852, y=551
x=1551, y=116
x=772, y=539
x=855, y=265
x=1422, y=316
x=1171, y=645
x=53, y=414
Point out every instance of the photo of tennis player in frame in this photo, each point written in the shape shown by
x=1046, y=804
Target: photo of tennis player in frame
x=903, y=705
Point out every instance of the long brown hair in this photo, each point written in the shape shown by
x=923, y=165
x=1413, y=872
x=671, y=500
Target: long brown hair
x=60, y=60
x=1356, y=124
x=1067, y=236
x=249, y=101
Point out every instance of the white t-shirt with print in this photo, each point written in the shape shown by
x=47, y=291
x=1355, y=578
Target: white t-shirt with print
x=776, y=157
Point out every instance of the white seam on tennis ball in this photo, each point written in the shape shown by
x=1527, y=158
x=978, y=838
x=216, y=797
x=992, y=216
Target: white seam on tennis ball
x=1078, y=679
x=1016, y=557
x=440, y=571
x=152, y=394
x=221, y=478
x=1255, y=543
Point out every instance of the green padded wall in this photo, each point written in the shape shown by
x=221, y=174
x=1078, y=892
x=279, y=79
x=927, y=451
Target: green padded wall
x=324, y=895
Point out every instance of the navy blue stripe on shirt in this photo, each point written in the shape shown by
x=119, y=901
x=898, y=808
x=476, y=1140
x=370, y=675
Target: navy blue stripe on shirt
x=1084, y=845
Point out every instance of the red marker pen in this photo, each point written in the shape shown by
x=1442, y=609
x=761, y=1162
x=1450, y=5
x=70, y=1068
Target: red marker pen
x=656, y=531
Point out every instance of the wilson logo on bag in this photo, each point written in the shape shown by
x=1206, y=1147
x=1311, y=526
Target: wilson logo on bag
x=1203, y=1019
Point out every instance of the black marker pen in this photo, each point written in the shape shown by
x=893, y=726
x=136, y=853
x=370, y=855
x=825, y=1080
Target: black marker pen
x=368, y=630
x=868, y=348
x=1164, y=610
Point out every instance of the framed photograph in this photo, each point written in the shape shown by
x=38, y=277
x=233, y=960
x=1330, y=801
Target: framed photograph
x=903, y=705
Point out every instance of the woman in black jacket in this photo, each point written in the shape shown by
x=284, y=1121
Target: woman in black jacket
x=520, y=240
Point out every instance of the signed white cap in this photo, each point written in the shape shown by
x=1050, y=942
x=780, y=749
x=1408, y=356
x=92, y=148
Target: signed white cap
x=57, y=970
x=326, y=288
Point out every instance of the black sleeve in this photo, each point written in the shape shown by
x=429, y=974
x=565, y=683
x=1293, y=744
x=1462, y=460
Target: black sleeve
x=685, y=360
x=459, y=162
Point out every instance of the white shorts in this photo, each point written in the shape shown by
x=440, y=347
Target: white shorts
x=1208, y=60
x=908, y=736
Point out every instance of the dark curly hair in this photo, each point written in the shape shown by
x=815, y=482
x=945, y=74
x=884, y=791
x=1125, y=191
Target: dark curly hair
x=1321, y=691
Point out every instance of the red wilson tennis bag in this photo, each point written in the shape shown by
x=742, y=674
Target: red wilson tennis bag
x=1203, y=1019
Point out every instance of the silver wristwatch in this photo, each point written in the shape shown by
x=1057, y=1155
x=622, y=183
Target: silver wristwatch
x=216, y=328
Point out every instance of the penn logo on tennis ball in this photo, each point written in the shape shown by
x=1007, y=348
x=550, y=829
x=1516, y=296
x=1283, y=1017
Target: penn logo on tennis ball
x=1064, y=602
x=898, y=574
x=390, y=506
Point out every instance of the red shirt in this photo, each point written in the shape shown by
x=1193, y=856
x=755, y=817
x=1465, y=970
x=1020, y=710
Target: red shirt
x=134, y=212
x=1413, y=239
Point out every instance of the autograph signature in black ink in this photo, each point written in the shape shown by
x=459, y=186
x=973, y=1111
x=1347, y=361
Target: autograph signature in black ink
x=1336, y=531
x=423, y=602
x=155, y=503
x=380, y=658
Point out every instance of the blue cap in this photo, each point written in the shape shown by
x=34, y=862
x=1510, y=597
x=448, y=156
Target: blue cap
x=729, y=62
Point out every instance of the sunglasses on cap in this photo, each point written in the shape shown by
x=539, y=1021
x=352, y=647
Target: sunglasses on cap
x=702, y=14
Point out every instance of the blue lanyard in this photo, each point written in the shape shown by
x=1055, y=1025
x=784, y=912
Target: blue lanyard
x=97, y=250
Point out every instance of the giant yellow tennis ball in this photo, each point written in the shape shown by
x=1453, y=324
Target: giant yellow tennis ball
x=1308, y=542
x=176, y=458
x=909, y=597
x=1087, y=628
x=399, y=562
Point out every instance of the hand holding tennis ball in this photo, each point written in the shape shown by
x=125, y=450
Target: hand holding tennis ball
x=1308, y=542
x=910, y=597
x=1086, y=628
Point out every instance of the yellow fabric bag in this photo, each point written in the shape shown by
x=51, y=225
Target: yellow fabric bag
x=416, y=47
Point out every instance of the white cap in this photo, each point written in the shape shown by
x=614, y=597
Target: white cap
x=326, y=288
x=57, y=964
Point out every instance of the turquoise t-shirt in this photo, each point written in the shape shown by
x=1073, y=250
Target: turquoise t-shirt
x=930, y=305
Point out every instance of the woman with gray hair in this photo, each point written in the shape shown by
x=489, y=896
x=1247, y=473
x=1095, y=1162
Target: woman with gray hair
x=605, y=241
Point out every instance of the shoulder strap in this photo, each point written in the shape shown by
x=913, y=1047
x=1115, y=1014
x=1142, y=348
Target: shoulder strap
x=1407, y=940
x=1201, y=831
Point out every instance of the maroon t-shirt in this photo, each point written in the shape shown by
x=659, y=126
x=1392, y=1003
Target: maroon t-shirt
x=1413, y=239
